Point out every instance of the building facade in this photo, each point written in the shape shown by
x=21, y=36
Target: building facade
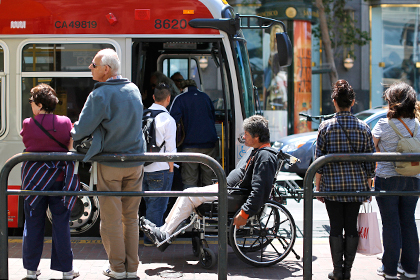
x=391, y=55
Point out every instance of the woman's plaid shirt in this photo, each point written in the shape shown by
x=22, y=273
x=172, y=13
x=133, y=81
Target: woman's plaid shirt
x=345, y=176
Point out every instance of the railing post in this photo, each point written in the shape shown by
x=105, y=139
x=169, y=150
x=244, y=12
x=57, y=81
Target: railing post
x=308, y=192
x=223, y=221
x=307, y=226
x=158, y=157
x=4, y=250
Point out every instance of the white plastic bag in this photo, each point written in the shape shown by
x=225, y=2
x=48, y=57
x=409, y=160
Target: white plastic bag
x=368, y=228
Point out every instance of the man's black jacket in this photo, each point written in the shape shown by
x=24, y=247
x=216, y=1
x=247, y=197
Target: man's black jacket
x=257, y=177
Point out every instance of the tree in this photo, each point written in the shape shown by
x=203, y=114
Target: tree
x=337, y=31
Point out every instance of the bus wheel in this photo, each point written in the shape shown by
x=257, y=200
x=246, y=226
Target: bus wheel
x=84, y=218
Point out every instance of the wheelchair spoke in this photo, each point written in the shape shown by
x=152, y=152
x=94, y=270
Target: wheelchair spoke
x=267, y=238
x=284, y=221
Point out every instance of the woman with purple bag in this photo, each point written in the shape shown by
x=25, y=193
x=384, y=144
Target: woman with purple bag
x=47, y=132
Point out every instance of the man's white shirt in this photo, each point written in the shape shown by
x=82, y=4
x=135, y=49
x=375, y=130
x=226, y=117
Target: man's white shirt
x=165, y=131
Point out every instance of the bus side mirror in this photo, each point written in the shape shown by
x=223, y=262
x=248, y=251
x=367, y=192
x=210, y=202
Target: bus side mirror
x=284, y=49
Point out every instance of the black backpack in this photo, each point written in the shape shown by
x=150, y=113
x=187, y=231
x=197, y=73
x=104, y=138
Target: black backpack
x=149, y=131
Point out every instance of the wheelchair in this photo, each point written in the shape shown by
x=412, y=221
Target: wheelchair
x=266, y=239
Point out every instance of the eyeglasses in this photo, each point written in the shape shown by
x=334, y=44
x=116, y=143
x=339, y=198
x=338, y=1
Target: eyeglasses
x=94, y=65
x=30, y=101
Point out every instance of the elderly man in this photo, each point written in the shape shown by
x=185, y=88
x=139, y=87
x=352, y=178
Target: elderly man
x=254, y=172
x=113, y=115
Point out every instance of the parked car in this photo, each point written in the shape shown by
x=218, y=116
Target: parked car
x=303, y=145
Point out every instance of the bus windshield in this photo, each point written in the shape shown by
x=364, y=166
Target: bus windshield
x=247, y=96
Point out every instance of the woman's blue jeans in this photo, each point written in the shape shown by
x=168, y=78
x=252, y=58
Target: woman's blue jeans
x=156, y=206
x=399, y=230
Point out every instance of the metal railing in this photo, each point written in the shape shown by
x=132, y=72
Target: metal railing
x=309, y=194
x=156, y=157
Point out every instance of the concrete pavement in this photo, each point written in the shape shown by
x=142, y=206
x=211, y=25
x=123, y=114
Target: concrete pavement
x=178, y=262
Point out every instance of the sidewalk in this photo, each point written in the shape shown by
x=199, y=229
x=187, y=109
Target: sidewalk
x=178, y=262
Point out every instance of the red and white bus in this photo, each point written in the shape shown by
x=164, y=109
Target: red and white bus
x=54, y=41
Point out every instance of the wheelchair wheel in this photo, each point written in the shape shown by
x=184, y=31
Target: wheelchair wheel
x=267, y=238
x=207, y=258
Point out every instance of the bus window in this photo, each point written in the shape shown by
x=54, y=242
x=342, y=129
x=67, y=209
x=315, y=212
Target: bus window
x=186, y=66
x=59, y=57
x=72, y=89
x=173, y=65
x=71, y=92
x=1, y=59
x=2, y=90
x=205, y=73
x=247, y=97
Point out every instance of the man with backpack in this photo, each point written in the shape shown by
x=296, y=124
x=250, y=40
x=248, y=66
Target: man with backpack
x=159, y=129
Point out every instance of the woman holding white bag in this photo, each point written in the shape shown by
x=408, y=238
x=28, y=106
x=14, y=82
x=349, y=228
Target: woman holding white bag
x=399, y=231
x=343, y=134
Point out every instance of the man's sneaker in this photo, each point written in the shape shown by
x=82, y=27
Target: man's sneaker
x=145, y=222
x=132, y=275
x=71, y=274
x=400, y=270
x=110, y=273
x=30, y=274
x=157, y=237
x=380, y=272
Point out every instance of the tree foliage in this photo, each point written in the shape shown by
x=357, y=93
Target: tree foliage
x=342, y=28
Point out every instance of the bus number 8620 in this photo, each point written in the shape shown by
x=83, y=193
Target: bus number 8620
x=170, y=24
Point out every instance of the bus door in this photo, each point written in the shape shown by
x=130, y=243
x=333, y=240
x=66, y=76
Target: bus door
x=201, y=61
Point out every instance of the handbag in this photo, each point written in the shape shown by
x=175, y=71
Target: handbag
x=83, y=145
x=368, y=228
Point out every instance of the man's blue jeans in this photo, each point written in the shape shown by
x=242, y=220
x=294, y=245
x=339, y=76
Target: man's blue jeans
x=156, y=206
x=399, y=230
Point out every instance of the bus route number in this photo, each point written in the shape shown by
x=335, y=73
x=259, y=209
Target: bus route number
x=75, y=24
x=170, y=24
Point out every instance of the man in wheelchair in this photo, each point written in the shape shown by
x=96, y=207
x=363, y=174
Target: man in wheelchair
x=254, y=172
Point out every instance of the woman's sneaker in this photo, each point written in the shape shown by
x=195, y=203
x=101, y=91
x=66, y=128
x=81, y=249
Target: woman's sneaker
x=380, y=272
x=400, y=270
x=30, y=274
x=71, y=274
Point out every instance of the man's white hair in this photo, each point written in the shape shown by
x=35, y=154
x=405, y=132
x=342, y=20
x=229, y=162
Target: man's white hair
x=110, y=57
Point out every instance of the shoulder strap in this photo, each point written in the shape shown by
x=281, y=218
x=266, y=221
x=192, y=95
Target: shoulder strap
x=394, y=127
x=415, y=127
x=49, y=135
x=153, y=113
x=347, y=136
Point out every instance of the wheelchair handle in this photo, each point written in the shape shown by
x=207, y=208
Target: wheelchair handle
x=310, y=118
x=288, y=158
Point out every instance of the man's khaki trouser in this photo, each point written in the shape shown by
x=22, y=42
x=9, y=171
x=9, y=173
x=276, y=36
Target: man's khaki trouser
x=119, y=216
